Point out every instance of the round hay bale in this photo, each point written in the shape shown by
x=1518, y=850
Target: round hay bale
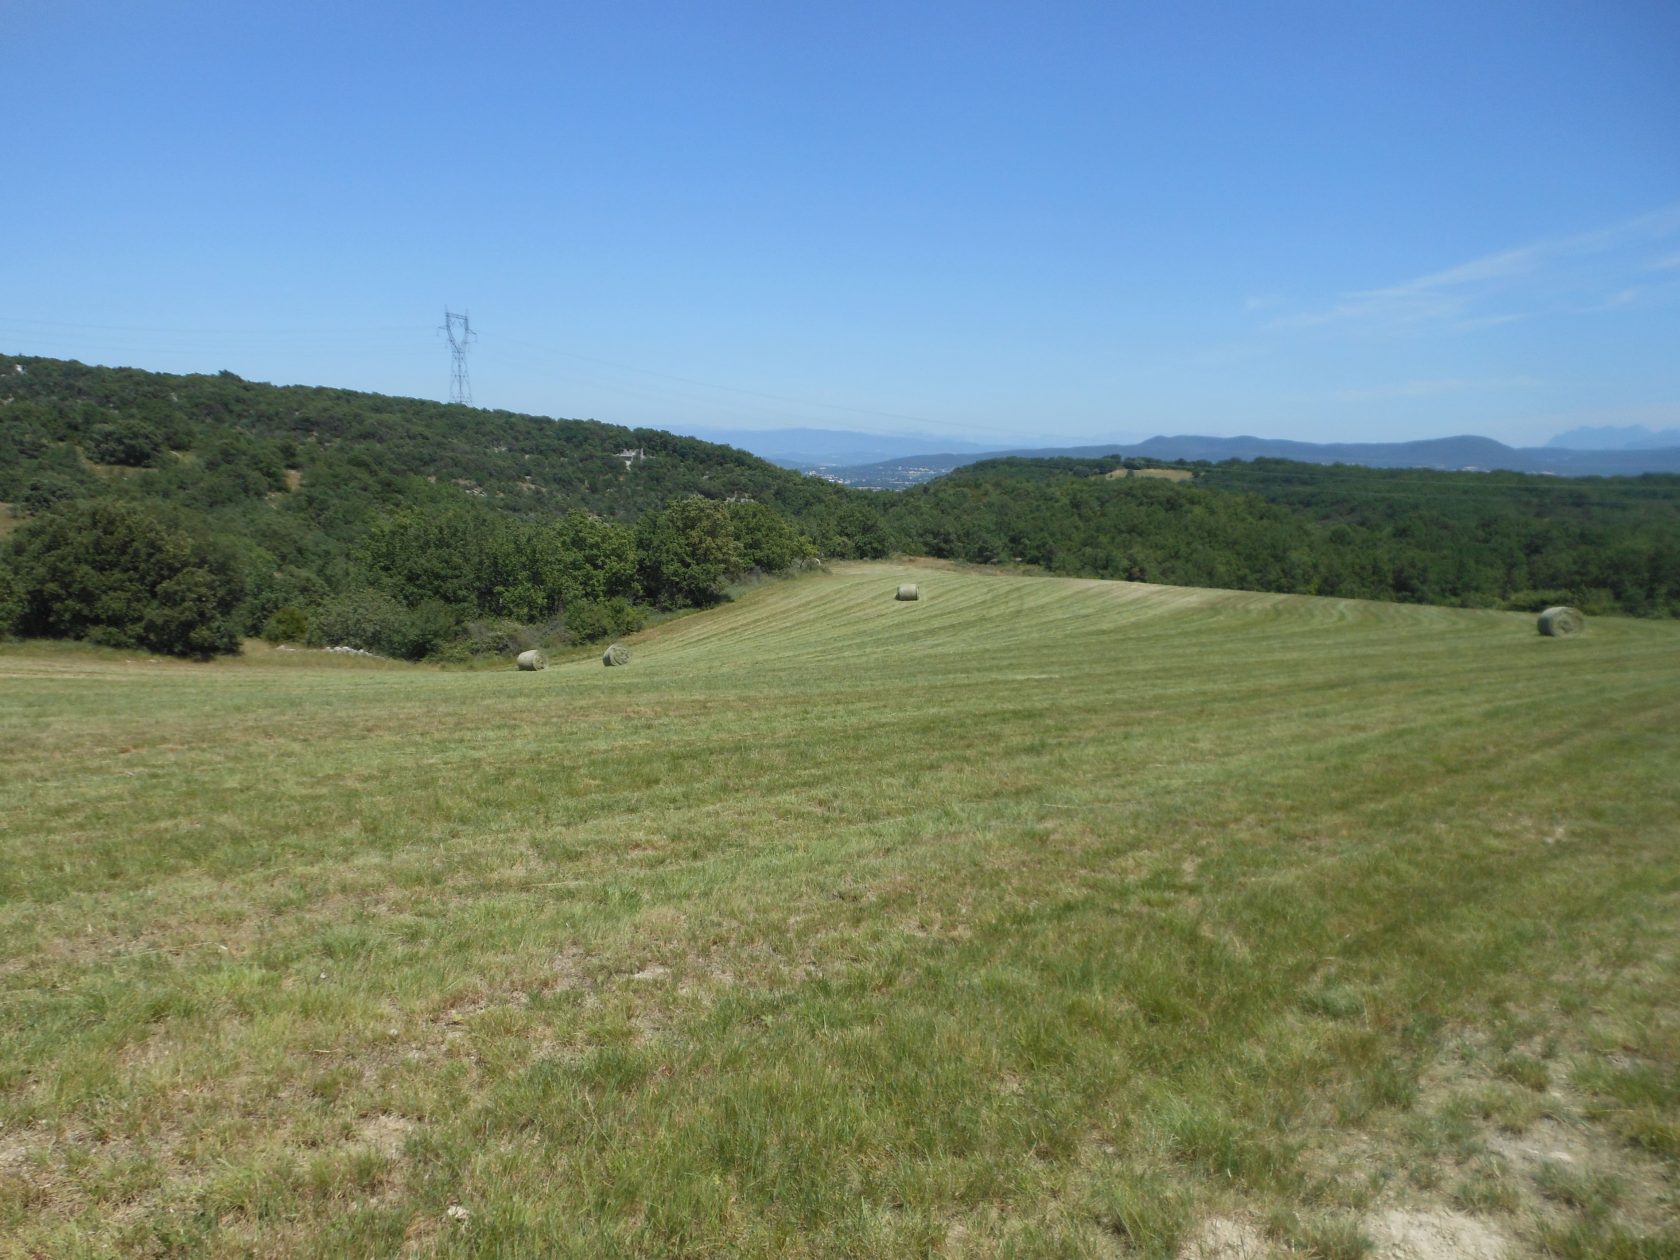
x=617, y=654
x=908, y=591
x=1561, y=622
x=531, y=660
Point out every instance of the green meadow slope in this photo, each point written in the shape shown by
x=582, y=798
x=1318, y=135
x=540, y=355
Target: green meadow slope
x=1040, y=917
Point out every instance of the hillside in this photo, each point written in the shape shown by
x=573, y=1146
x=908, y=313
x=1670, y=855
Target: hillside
x=219, y=508
x=1038, y=917
x=217, y=441
x=1468, y=539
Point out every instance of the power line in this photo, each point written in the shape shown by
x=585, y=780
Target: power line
x=218, y=332
x=460, y=384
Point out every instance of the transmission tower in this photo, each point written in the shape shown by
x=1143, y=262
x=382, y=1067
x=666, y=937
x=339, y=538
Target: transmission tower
x=460, y=389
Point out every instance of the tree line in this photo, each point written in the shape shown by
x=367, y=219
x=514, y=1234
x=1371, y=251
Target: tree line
x=1466, y=539
x=442, y=581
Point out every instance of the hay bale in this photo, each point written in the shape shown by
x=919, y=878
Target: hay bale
x=532, y=660
x=617, y=654
x=1561, y=622
x=907, y=591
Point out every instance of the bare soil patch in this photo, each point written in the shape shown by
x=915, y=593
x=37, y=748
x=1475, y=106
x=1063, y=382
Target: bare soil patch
x=1435, y=1235
x=1226, y=1238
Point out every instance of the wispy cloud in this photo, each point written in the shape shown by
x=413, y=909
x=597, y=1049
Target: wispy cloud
x=1620, y=298
x=1487, y=321
x=1564, y=273
x=1433, y=388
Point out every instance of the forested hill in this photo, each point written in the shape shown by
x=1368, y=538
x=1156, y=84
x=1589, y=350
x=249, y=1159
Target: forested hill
x=1488, y=540
x=178, y=513
x=215, y=442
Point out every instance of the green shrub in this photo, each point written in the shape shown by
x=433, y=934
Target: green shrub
x=286, y=625
x=590, y=620
x=11, y=598
x=1539, y=601
x=497, y=636
x=272, y=589
x=431, y=624
x=686, y=552
x=365, y=619
x=44, y=492
x=126, y=575
x=132, y=443
x=767, y=541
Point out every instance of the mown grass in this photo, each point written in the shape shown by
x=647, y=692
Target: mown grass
x=1039, y=917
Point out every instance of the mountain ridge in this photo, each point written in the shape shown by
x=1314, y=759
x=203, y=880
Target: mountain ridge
x=1632, y=437
x=1462, y=453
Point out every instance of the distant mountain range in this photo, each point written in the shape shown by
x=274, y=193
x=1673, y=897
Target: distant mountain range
x=1467, y=453
x=1633, y=437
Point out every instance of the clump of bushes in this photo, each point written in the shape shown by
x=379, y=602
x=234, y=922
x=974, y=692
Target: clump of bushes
x=449, y=580
x=1538, y=601
x=43, y=493
x=124, y=575
x=493, y=636
x=366, y=619
x=1594, y=601
x=11, y=600
x=131, y=443
x=590, y=621
x=288, y=624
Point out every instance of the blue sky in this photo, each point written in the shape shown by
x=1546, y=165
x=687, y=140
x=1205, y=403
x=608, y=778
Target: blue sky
x=1055, y=222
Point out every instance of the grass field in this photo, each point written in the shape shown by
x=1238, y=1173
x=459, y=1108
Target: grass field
x=1160, y=474
x=1037, y=918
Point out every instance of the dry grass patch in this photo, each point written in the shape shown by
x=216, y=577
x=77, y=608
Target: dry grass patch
x=1160, y=474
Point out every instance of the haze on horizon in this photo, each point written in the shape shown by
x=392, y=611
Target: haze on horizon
x=1003, y=225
